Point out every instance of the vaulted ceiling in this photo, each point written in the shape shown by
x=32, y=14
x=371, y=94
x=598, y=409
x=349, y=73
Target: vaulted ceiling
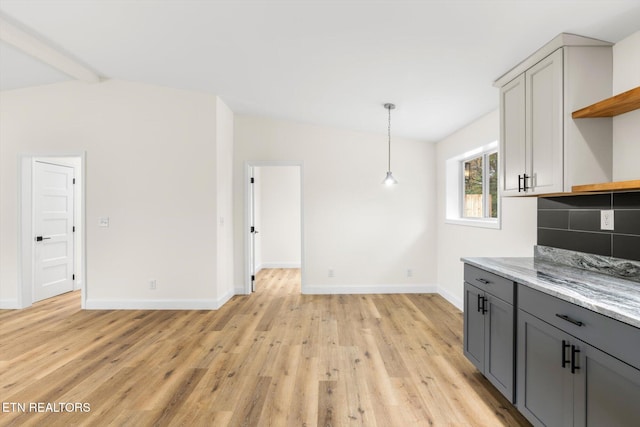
x=324, y=62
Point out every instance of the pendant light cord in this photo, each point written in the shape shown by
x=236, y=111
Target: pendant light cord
x=389, y=133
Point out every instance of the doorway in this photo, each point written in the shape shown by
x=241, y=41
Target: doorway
x=274, y=221
x=51, y=223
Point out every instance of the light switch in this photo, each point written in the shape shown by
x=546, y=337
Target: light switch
x=103, y=221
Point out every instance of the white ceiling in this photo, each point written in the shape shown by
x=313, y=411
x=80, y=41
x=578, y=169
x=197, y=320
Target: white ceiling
x=324, y=62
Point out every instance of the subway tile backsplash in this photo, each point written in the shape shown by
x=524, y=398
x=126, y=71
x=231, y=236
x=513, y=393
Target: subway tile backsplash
x=573, y=223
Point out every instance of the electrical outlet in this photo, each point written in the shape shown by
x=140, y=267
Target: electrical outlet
x=606, y=220
x=330, y=272
x=152, y=284
x=409, y=272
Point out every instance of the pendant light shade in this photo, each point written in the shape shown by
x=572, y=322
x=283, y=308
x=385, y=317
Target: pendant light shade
x=389, y=179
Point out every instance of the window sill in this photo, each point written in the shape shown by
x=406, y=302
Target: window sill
x=481, y=223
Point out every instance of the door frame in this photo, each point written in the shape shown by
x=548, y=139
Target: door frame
x=25, y=224
x=248, y=169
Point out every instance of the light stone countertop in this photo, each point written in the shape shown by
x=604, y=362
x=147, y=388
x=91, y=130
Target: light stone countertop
x=607, y=295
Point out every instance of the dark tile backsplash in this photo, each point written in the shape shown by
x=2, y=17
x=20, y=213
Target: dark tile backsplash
x=591, y=243
x=553, y=219
x=596, y=201
x=584, y=220
x=626, y=200
x=627, y=222
x=573, y=223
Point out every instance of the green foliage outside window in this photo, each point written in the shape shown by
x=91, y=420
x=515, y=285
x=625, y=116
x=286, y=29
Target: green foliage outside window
x=480, y=175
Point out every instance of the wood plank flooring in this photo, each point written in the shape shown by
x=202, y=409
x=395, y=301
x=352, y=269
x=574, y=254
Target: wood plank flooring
x=274, y=358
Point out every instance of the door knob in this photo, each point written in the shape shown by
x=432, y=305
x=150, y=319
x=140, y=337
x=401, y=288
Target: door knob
x=40, y=238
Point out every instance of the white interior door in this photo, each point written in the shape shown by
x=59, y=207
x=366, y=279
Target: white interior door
x=53, y=228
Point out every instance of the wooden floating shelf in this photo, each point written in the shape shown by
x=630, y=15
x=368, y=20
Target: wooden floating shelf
x=588, y=189
x=618, y=104
x=608, y=186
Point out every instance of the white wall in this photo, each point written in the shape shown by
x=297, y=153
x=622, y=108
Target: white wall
x=151, y=167
x=368, y=234
x=626, y=127
x=517, y=235
x=224, y=189
x=279, y=212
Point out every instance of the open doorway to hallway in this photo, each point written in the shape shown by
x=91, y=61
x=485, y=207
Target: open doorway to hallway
x=278, y=281
x=275, y=230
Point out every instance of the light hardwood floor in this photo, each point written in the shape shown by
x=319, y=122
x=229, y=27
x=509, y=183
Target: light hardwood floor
x=275, y=358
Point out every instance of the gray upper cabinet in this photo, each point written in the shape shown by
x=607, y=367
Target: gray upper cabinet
x=489, y=327
x=542, y=149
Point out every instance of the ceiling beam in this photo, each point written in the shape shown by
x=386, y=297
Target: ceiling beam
x=28, y=43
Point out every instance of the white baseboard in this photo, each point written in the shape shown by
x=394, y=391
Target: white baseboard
x=186, y=304
x=385, y=289
x=418, y=288
x=453, y=299
x=208, y=304
x=9, y=304
x=277, y=265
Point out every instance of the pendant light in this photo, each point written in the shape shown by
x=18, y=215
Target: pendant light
x=389, y=179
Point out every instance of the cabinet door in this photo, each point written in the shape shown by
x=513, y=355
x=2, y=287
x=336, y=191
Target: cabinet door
x=473, y=326
x=545, y=387
x=544, y=124
x=512, y=135
x=499, y=354
x=607, y=391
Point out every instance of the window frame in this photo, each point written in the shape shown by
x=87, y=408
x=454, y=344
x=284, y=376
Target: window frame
x=454, y=189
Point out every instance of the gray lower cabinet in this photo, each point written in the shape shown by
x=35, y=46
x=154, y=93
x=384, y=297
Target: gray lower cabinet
x=489, y=327
x=607, y=391
x=545, y=385
x=565, y=381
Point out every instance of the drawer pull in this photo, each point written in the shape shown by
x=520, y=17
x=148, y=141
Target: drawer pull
x=565, y=346
x=570, y=320
x=483, y=281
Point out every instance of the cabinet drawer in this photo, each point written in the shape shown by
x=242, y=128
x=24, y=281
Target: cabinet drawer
x=609, y=335
x=489, y=282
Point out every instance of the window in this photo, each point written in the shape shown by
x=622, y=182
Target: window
x=480, y=186
x=472, y=188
